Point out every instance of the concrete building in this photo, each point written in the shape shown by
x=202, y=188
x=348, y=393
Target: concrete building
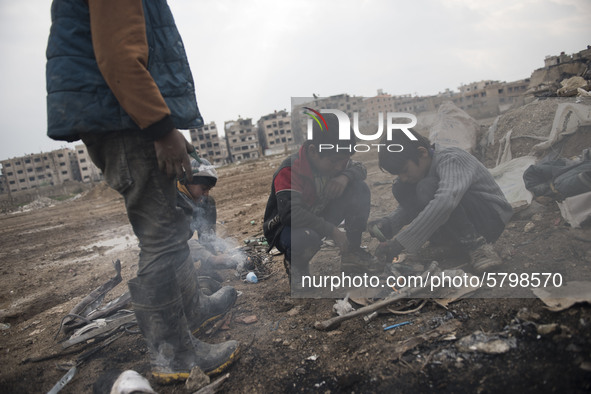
x=88, y=171
x=546, y=80
x=211, y=147
x=3, y=184
x=40, y=169
x=242, y=139
x=275, y=135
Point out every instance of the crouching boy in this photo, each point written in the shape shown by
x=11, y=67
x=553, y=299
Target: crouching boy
x=194, y=199
x=445, y=195
x=312, y=192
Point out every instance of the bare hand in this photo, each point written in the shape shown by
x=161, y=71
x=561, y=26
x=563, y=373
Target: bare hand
x=336, y=186
x=340, y=239
x=172, y=153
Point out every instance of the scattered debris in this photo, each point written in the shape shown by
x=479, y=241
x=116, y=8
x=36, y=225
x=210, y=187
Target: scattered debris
x=213, y=387
x=131, y=382
x=313, y=357
x=571, y=85
x=342, y=307
x=576, y=209
x=196, y=380
x=527, y=315
x=545, y=329
x=250, y=319
x=370, y=317
x=108, y=329
x=406, y=292
x=485, y=343
x=294, y=311
x=81, y=313
x=563, y=297
x=251, y=277
x=529, y=227
x=63, y=381
x=410, y=343
x=258, y=261
x=397, y=325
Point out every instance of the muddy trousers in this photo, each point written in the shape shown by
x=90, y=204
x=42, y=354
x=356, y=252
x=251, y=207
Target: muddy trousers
x=471, y=219
x=129, y=165
x=301, y=244
x=165, y=293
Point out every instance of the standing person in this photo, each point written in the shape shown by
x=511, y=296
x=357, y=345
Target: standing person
x=118, y=78
x=445, y=195
x=311, y=193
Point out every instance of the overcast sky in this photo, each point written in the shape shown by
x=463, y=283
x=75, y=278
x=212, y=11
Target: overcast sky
x=250, y=57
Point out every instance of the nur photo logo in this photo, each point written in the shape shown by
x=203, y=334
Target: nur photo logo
x=391, y=120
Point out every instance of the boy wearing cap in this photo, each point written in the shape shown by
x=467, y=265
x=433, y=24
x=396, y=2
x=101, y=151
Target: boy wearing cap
x=445, y=196
x=312, y=192
x=194, y=199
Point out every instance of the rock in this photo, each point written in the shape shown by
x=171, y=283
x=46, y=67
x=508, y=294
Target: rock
x=294, y=311
x=481, y=342
x=529, y=227
x=527, y=315
x=342, y=307
x=537, y=217
x=545, y=329
x=247, y=319
x=197, y=379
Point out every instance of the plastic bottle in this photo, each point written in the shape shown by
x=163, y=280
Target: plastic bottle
x=252, y=277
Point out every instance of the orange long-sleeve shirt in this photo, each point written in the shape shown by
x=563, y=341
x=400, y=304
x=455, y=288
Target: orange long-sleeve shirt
x=118, y=31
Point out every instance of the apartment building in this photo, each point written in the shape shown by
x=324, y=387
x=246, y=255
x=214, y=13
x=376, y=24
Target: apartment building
x=88, y=171
x=242, y=140
x=275, y=135
x=40, y=169
x=207, y=140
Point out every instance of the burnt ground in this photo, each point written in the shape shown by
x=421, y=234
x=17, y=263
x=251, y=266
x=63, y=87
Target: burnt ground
x=51, y=257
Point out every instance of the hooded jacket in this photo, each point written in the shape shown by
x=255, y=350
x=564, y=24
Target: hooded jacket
x=295, y=199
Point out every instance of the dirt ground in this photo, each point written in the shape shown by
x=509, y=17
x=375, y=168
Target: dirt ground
x=51, y=257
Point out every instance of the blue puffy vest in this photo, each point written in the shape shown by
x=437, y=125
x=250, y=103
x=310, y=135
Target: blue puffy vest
x=78, y=98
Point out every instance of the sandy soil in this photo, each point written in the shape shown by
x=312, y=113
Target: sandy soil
x=52, y=257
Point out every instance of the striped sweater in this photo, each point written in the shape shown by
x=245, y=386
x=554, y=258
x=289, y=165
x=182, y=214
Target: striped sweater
x=459, y=173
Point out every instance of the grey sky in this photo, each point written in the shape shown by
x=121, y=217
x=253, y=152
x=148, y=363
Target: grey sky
x=250, y=57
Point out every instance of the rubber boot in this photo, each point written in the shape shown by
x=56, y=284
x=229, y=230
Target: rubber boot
x=201, y=309
x=173, y=350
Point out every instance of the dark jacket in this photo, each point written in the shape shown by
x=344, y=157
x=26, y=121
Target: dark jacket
x=294, y=200
x=130, y=73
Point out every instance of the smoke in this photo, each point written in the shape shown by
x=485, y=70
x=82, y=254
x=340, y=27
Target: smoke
x=204, y=223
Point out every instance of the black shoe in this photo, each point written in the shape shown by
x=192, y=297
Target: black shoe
x=358, y=261
x=483, y=257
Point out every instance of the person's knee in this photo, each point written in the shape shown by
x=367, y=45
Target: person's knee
x=357, y=193
x=305, y=241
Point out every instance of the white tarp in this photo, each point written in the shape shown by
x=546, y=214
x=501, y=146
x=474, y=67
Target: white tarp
x=576, y=209
x=454, y=127
x=509, y=177
x=569, y=117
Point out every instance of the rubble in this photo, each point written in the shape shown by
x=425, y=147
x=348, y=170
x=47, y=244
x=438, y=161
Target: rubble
x=485, y=343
